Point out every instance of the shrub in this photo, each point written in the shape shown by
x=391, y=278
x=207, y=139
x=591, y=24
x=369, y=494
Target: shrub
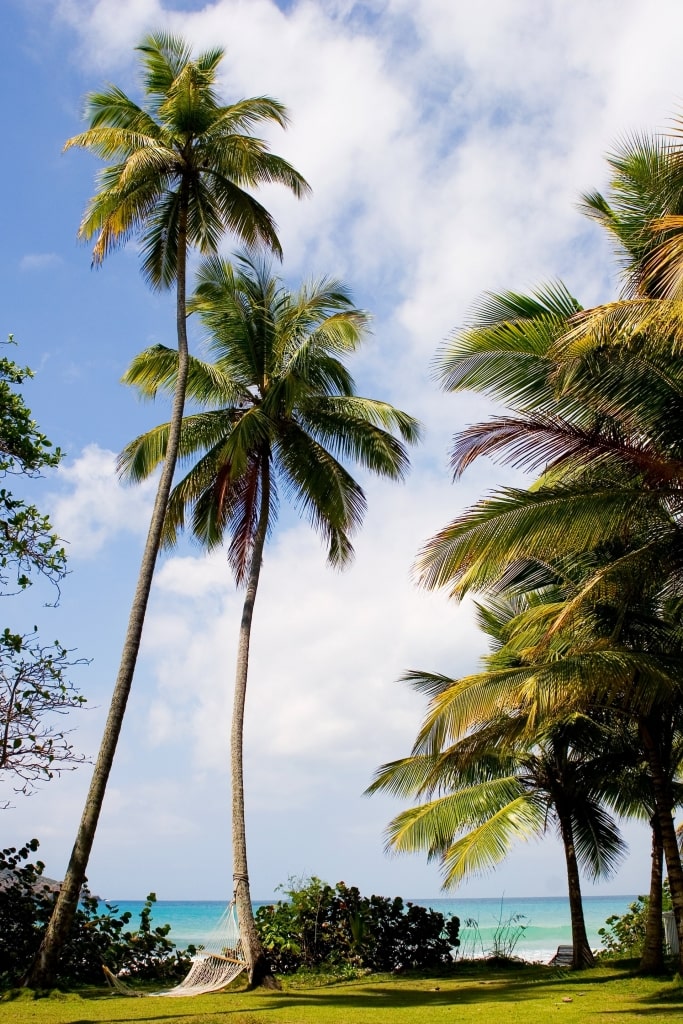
x=623, y=936
x=97, y=938
x=321, y=926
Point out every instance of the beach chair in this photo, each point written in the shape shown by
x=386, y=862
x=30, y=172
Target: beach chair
x=564, y=957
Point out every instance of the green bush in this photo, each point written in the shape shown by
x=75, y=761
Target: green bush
x=623, y=936
x=97, y=938
x=320, y=926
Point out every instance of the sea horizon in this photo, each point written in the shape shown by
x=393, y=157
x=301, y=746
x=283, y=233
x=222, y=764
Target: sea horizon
x=530, y=927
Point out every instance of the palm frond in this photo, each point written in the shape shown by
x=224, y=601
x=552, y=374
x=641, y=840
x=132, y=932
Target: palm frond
x=599, y=844
x=473, y=551
x=496, y=815
x=321, y=489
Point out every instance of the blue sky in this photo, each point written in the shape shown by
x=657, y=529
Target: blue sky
x=446, y=144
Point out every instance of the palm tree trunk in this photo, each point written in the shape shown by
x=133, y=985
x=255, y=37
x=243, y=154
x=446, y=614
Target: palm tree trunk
x=43, y=971
x=650, y=733
x=257, y=963
x=582, y=954
x=652, y=958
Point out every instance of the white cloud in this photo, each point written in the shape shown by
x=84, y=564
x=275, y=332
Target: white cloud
x=403, y=190
x=40, y=261
x=110, y=28
x=92, y=505
x=327, y=648
x=446, y=145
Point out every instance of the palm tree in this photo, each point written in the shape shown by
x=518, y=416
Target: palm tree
x=629, y=792
x=598, y=387
x=278, y=411
x=181, y=166
x=599, y=413
x=596, y=397
x=503, y=775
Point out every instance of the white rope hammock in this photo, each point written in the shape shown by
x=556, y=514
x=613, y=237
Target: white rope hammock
x=214, y=967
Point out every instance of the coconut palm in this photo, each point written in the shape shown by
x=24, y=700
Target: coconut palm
x=629, y=792
x=596, y=399
x=503, y=777
x=180, y=166
x=278, y=411
x=508, y=795
x=601, y=421
x=643, y=211
x=603, y=429
x=600, y=387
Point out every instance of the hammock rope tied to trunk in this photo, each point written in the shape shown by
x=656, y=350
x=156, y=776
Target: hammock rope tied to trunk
x=213, y=967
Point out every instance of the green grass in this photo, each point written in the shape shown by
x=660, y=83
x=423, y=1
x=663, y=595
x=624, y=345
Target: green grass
x=469, y=995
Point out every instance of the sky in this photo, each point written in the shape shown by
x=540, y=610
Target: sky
x=447, y=144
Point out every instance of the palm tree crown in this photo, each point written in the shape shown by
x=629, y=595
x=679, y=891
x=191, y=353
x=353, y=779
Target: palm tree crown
x=181, y=163
x=277, y=392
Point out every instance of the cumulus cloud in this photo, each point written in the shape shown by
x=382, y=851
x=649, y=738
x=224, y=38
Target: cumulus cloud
x=446, y=145
x=327, y=648
x=92, y=505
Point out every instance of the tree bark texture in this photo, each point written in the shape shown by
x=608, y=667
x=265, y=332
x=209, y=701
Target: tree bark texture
x=258, y=968
x=651, y=735
x=652, y=958
x=582, y=953
x=43, y=971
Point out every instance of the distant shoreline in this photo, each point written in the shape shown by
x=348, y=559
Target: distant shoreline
x=420, y=900
x=537, y=924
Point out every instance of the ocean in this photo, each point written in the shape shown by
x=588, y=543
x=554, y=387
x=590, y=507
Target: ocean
x=538, y=925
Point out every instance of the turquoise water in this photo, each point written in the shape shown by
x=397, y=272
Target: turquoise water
x=546, y=920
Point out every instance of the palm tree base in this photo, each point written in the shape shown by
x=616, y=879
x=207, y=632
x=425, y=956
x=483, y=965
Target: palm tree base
x=261, y=976
x=584, y=961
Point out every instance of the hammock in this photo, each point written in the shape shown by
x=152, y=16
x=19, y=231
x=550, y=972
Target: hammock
x=214, y=967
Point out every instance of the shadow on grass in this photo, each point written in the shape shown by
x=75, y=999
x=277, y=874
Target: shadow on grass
x=465, y=987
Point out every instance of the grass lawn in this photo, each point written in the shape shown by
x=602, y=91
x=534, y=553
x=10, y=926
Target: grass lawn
x=472, y=994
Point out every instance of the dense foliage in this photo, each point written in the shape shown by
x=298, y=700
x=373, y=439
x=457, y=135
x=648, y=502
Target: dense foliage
x=318, y=925
x=623, y=936
x=585, y=564
x=33, y=684
x=97, y=938
x=28, y=544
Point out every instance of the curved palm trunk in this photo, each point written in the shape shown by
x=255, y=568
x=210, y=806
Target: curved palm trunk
x=582, y=953
x=43, y=971
x=257, y=964
x=652, y=959
x=650, y=734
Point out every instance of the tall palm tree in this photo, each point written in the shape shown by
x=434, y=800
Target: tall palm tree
x=600, y=414
x=182, y=163
x=503, y=774
x=278, y=412
x=597, y=398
